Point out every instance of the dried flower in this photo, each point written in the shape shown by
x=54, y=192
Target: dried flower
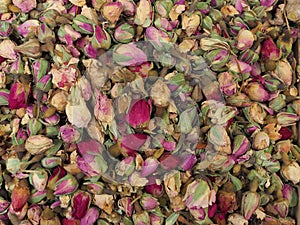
x=112, y=11
x=80, y=203
x=38, y=144
x=129, y=55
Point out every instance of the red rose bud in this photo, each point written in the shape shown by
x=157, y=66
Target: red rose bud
x=227, y=201
x=169, y=161
x=66, y=221
x=69, y=133
x=101, y=39
x=28, y=28
x=256, y=92
x=131, y=143
x=290, y=193
x=20, y=137
x=19, y=197
x=4, y=95
x=56, y=175
x=39, y=179
x=25, y=5
x=5, y=28
x=139, y=113
x=285, y=133
x=240, y=145
x=269, y=50
x=187, y=161
x=81, y=201
x=124, y=33
x=90, y=159
x=90, y=217
x=83, y=25
x=66, y=185
x=156, y=190
x=18, y=96
x=148, y=202
x=129, y=55
x=149, y=166
x=212, y=210
x=112, y=11
x=125, y=205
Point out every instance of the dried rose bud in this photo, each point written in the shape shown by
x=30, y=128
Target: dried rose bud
x=45, y=83
x=80, y=202
x=7, y=50
x=139, y=113
x=245, y=39
x=104, y=202
x=45, y=34
x=198, y=213
x=48, y=217
x=240, y=145
x=219, y=138
x=156, y=190
x=25, y=5
x=101, y=38
x=67, y=34
x=66, y=185
x=51, y=162
x=56, y=175
x=282, y=207
x=148, y=202
x=129, y=55
x=39, y=179
x=87, y=47
x=187, y=161
x=125, y=205
x=227, y=84
x=284, y=71
x=69, y=133
x=250, y=202
x=66, y=221
x=90, y=217
x=59, y=100
x=291, y=172
x=129, y=7
x=112, y=11
x=95, y=188
x=126, y=166
x=18, y=96
x=28, y=28
x=38, y=196
x=30, y=48
x=261, y=140
x=4, y=95
x=19, y=197
x=155, y=219
x=163, y=7
x=269, y=50
x=124, y=33
x=90, y=160
x=226, y=199
x=218, y=58
x=149, y=166
x=158, y=38
x=238, y=100
x=249, y=56
x=290, y=193
x=38, y=144
x=76, y=109
x=5, y=29
x=256, y=92
x=141, y=218
x=40, y=68
x=136, y=180
x=285, y=43
x=283, y=146
x=20, y=137
x=131, y=143
x=34, y=213
x=3, y=205
x=190, y=23
x=160, y=94
x=169, y=161
x=278, y=103
x=83, y=25
x=286, y=119
x=144, y=13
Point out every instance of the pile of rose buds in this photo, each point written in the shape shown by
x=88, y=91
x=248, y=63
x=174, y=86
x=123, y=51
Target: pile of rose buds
x=149, y=112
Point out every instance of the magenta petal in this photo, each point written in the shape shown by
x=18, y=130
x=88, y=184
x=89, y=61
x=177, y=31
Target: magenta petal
x=139, y=114
x=81, y=202
x=149, y=167
x=133, y=141
x=90, y=217
x=17, y=97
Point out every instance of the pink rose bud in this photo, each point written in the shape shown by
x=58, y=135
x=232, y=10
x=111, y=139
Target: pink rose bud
x=25, y=5
x=282, y=207
x=124, y=33
x=139, y=113
x=125, y=205
x=66, y=221
x=149, y=166
x=66, y=185
x=51, y=162
x=250, y=201
x=148, y=202
x=155, y=219
x=39, y=179
x=269, y=50
x=90, y=217
x=87, y=48
x=158, y=38
x=34, y=213
x=227, y=84
x=129, y=55
x=80, y=202
x=69, y=133
x=38, y=196
x=101, y=39
x=74, y=10
x=141, y=218
x=240, y=145
x=256, y=92
x=40, y=68
x=30, y=48
x=20, y=137
x=56, y=175
x=245, y=39
x=28, y=28
x=5, y=29
x=188, y=161
x=197, y=212
x=4, y=95
x=19, y=197
x=45, y=83
x=267, y=3
x=126, y=166
x=168, y=161
x=131, y=143
x=95, y=188
x=112, y=11
x=290, y=193
x=83, y=25
x=286, y=119
x=156, y=190
x=212, y=210
x=3, y=205
x=129, y=7
x=45, y=34
x=18, y=96
x=164, y=7
x=284, y=72
x=90, y=160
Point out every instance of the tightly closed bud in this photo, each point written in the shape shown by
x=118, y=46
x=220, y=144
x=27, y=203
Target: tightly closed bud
x=124, y=33
x=139, y=113
x=69, y=133
x=4, y=95
x=112, y=11
x=126, y=166
x=245, y=39
x=34, y=213
x=18, y=96
x=129, y=55
x=155, y=219
x=101, y=39
x=286, y=119
x=5, y=29
x=218, y=58
x=227, y=84
x=141, y=218
x=163, y=7
x=269, y=50
x=158, y=38
x=83, y=25
x=250, y=202
x=291, y=172
x=66, y=185
x=45, y=83
x=51, y=162
x=219, y=138
x=39, y=179
x=38, y=144
x=144, y=14
x=129, y=7
x=282, y=207
x=19, y=197
x=290, y=193
x=261, y=140
x=256, y=92
x=278, y=102
x=240, y=145
x=148, y=202
x=28, y=28
x=45, y=34
x=284, y=72
x=125, y=205
x=40, y=68
x=156, y=190
x=30, y=48
x=80, y=202
x=90, y=217
x=56, y=175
